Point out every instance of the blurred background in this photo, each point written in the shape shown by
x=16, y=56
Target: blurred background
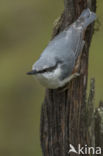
x=25, y=29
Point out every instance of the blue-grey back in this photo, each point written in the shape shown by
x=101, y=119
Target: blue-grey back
x=62, y=48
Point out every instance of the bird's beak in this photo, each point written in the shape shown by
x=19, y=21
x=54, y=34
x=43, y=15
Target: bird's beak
x=33, y=72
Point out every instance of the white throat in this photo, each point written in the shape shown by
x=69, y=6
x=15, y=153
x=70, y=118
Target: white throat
x=50, y=79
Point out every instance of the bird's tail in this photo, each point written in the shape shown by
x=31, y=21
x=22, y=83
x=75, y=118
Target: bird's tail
x=86, y=18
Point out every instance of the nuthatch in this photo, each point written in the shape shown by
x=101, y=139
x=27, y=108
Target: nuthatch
x=56, y=65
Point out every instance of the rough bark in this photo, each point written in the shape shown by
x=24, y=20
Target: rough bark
x=63, y=115
x=90, y=115
x=99, y=126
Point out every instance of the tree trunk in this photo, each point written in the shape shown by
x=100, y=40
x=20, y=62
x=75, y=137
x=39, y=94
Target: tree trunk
x=63, y=115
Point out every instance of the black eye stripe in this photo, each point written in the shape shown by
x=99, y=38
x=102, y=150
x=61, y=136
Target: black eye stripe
x=50, y=68
x=47, y=69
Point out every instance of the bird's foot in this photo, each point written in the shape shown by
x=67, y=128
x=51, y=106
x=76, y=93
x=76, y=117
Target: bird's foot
x=75, y=75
